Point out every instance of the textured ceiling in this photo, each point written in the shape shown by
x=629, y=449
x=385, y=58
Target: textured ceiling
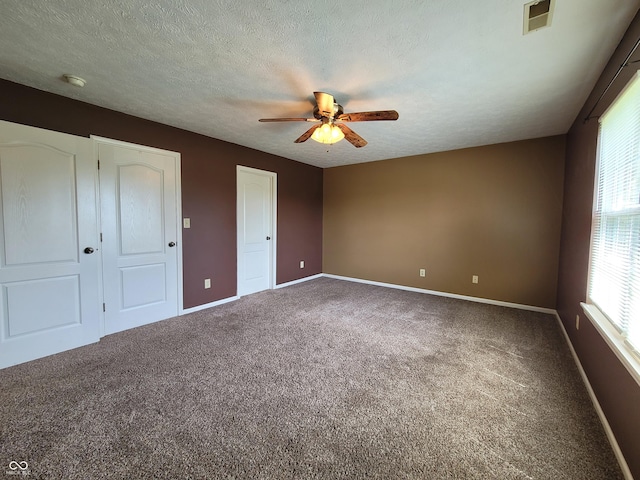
x=459, y=72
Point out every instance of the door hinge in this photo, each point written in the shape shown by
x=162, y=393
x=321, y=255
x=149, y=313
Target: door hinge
x=104, y=307
x=101, y=237
x=98, y=164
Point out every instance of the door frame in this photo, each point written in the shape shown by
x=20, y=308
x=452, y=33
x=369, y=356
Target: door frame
x=273, y=177
x=97, y=140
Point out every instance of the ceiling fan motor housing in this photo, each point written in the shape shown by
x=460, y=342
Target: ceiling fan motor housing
x=337, y=110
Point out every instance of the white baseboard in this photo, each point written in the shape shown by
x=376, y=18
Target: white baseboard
x=445, y=294
x=209, y=305
x=233, y=299
x=300, y=280
x=603, y=419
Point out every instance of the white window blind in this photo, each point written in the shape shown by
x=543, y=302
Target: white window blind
x=614, y=275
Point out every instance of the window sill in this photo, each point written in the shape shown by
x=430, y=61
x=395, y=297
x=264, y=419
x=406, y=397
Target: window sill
x=614, y=340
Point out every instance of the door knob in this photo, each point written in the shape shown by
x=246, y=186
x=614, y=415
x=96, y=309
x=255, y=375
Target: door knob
x=172, y=244
x=88, y=250
x=268, y=238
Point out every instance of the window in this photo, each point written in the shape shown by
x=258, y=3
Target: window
x=614, y=274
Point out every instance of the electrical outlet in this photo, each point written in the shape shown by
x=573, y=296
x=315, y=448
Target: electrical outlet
x=207, y=283
x=474, y=279
x=186, y=222
x=423, y=272
x=301, y=263
x=577, y=322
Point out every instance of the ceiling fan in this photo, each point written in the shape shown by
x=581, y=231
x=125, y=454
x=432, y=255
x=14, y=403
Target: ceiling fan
x=328, y=116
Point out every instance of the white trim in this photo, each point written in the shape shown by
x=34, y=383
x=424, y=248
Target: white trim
x=603, y=419
x=609, y=332
x=445, y=294
x=102, y=319
x=300, y=280
x=121, y=143
x=614, y=340
x=209, y=305
x=179, y=232
x=274, y=222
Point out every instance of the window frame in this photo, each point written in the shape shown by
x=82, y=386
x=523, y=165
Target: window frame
x=612, y=334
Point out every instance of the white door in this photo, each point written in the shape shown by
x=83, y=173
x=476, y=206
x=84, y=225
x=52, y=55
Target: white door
x=139, y=216
x=49, y=263
x=256, y=231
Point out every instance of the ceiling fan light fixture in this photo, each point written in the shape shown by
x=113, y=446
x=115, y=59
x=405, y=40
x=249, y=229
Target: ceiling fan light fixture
x=327, y=134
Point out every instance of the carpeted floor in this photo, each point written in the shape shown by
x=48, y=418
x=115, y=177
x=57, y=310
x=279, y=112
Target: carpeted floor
x=324, y=379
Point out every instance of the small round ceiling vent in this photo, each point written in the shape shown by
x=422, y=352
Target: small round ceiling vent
x=75, y=81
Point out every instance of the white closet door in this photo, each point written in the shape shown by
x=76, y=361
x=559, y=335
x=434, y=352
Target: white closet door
x=139, y=216
x=255, y=190
x=49, y=263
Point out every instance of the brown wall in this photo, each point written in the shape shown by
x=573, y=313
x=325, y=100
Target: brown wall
x=208, y=188
x=617, y=392
x=491, y=211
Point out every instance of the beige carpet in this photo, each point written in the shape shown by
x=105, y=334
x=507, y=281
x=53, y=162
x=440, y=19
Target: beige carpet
x=324, y=379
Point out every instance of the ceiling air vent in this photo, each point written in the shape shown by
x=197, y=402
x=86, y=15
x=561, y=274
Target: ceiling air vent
x=537, y=15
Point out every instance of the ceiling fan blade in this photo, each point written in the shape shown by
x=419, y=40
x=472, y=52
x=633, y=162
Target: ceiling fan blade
x=325, y=103
x=352, y=137
x=306, y=135
x=368, y=116
x=288, y=120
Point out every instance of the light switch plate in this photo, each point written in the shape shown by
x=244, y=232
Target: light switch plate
x=186, y=223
